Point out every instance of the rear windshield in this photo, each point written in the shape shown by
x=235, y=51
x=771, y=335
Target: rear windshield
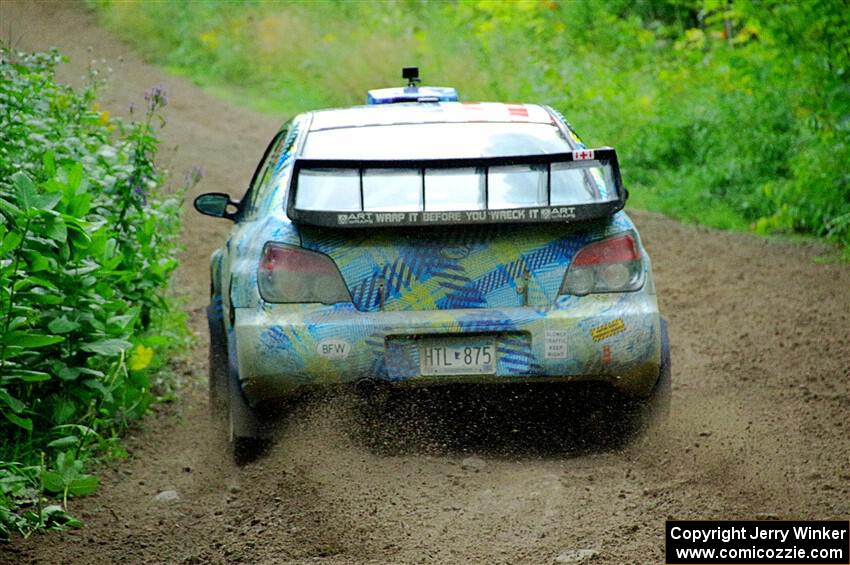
x=436, y=141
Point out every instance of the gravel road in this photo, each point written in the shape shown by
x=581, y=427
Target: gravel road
x=760, y=334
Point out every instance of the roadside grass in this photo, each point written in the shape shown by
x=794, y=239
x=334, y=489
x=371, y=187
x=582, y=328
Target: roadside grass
x=333, y=51
x=688, y=205
x=88, y=243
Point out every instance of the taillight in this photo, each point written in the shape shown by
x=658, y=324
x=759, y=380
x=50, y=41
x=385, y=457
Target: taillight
x=610, y=265
x=290, y=274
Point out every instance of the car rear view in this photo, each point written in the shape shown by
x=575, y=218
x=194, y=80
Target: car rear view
x=434, y=242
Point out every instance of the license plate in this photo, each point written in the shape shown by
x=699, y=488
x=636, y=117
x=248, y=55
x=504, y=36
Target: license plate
x=458, y=357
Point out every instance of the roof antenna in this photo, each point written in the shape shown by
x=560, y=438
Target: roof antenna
x=411, y=74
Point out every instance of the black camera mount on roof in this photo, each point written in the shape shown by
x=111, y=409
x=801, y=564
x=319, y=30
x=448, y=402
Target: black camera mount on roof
x=411, y=74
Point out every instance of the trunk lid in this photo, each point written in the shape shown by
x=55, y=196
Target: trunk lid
x=454, y=267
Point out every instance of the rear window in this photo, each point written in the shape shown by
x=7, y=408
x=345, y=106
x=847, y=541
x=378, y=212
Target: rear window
x=436, y=141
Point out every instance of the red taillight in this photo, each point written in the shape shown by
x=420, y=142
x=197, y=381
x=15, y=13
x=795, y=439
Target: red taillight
x=296, y=260
x=610, y=265
x=614, y=250
x=291, y=274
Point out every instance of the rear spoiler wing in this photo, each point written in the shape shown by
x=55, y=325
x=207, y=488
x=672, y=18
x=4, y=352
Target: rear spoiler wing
x=558, y=213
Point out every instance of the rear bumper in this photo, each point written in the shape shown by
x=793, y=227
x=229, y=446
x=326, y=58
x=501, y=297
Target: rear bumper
x=608, y=337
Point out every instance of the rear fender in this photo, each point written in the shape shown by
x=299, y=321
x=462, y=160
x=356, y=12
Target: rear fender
x=246, y=253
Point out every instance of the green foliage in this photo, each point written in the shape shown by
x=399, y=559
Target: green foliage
x=731, y=113
x=87, y=246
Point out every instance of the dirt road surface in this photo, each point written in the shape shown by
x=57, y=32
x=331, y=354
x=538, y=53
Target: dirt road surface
x=760, y=425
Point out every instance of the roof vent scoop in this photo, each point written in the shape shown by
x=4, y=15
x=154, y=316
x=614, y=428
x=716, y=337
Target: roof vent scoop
x=412, y=92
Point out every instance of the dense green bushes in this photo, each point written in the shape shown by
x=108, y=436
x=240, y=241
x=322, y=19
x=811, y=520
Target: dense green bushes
x=731, y=113
x=736, y=112
x=87, y=245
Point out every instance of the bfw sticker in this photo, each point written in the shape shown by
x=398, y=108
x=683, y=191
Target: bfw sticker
x=333, y=349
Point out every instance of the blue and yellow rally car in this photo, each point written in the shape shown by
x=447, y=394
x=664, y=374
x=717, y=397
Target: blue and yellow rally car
x=422, y=240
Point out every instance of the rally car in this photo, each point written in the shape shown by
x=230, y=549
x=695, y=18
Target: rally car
x=419, y=240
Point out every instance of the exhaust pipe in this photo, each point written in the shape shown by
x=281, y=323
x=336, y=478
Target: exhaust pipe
x=365, y=386
x=372, y=390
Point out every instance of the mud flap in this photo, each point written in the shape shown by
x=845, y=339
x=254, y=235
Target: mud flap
x=247, y=435
x=655, y=410
x=624, y=419
x=217, y=370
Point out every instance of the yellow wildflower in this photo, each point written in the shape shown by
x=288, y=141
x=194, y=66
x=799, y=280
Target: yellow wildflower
x=141, y=358
x=209, y=39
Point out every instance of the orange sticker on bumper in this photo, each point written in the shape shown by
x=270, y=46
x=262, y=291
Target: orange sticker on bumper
x=607, y=330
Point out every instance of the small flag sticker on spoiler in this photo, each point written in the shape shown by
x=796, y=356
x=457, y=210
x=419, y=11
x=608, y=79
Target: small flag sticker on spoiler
x=583, y=155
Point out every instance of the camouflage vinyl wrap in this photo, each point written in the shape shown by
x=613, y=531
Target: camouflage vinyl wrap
x=494, y=282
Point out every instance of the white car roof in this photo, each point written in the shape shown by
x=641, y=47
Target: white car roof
x=430, y=112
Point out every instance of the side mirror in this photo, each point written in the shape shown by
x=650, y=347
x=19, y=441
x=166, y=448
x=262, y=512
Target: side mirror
x=217, y=205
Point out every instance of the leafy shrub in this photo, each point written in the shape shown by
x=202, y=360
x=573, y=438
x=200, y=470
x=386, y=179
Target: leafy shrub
x=87, y=246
